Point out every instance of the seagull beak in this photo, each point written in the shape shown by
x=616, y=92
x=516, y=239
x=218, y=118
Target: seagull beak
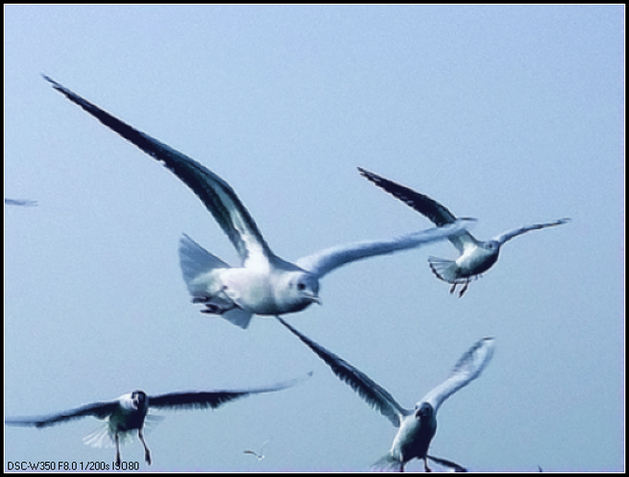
x=315, y=299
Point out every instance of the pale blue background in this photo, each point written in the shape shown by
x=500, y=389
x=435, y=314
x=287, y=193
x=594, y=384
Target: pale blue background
x=513, y=115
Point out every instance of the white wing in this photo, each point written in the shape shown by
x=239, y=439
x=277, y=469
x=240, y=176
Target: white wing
x=468, y=368
x=371, y=392
x=217, y=195
x=328, y=259
x=506, y=236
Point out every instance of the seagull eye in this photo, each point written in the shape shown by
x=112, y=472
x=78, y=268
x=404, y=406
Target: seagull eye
x=301, y=286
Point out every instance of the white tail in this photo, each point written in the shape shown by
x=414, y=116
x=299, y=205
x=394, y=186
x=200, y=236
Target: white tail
x=195, y=260
x=444, y=269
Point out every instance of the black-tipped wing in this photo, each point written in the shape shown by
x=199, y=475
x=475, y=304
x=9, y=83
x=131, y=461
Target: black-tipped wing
x=371, y=392
x=219, y=198
x=423, y=204
x=212, y=399
x=100, y=410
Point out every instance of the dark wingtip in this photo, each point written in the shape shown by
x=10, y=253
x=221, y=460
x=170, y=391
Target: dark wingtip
x=368, y=174
x=58, y=86
x=52, y=81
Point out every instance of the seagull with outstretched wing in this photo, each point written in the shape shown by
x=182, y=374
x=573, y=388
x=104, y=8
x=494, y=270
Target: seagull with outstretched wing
x=264, y=284
x=475, y=257
x=258, y=455
x=129, y=411
x=416, y=427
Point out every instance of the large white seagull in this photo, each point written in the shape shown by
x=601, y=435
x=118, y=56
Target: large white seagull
x=264, y=284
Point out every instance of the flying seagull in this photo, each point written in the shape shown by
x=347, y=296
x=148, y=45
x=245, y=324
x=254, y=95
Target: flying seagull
x=257, y=455
x=21, y=202
x=476, y=256
x=129, y=411
x=264, y=284
x=416, y=427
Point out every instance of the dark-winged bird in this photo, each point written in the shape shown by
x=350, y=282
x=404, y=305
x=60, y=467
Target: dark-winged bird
x=129, y=411
x=475, y=257
x=264, y=284
x=416, y=427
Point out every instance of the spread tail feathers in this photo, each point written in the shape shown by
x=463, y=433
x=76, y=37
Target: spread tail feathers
x=196, y=265
x=195, y=261
x=101, y=437
x=238, y=317
x=389, y=462
x=445, y=270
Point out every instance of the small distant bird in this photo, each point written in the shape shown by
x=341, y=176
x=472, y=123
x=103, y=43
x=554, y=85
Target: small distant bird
x=264, y=284
x=21, y=202
x=476, y=256
x=257, y=455
x=416, y=427
x=129, y=411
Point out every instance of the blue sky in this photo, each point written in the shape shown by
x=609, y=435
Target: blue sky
x=512, y=115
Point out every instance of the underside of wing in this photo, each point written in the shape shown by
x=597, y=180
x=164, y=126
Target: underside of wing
x=366, y=388
x=423, y=204
x=331, y=258
x=98, y=410
x=506, y=236
x=212, y=399
x=468, y=368
x=219, y=198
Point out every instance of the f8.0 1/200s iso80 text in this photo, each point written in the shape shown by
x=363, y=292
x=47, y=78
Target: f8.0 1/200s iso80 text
x=32, y=466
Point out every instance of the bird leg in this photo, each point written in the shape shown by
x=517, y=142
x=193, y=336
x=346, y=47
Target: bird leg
x=147, y=452
x=426, y=468
x=213, y=308
x=117, y=441
x=464, y=289
x=465, y=284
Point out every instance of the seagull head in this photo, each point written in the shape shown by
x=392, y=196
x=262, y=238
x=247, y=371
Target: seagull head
x=492, y=246
x=131, y=413
x=425, y=413
x=491, y=249
x=139, y=400
x=302, y=291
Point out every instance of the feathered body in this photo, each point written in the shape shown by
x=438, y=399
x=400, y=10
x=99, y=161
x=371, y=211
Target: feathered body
x=129, y=412
x=416, y=428
x=475, y=256
x=263, y=284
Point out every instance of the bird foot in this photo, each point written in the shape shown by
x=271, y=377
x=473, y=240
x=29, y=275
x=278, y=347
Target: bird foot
x=463, y=289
